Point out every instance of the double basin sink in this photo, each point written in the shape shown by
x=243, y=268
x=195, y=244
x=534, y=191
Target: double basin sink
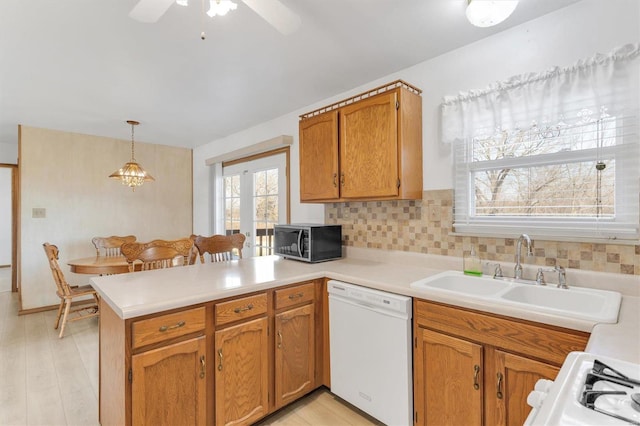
x=599, y=306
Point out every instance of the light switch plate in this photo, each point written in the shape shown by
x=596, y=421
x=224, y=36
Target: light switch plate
x=38, y=213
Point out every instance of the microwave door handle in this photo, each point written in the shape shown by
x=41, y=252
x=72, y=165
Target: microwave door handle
x=300, y=242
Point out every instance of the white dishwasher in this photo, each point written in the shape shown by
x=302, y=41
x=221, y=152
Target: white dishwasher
x=370, y=351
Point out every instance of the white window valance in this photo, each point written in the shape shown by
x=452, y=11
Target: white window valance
x=602, y=81
x=556, y=153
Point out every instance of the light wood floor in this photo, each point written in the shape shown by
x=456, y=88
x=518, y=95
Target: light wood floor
x=49, y=381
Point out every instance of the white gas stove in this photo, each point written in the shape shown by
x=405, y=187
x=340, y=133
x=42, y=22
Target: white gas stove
x=589, y=390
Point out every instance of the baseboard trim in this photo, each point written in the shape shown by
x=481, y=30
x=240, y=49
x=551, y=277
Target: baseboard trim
x=51, y=307
x=37, y=310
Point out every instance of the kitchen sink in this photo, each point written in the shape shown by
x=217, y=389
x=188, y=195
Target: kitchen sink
x=457, y=282
x=581, y=303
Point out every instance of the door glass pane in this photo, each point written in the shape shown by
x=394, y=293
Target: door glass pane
x=266, y=209
x=232, y=204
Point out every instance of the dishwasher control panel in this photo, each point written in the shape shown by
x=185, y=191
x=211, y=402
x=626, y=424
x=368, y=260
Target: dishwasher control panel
x=371, y=297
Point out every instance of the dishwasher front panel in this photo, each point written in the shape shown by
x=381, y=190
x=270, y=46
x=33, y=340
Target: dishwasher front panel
x=371, y=357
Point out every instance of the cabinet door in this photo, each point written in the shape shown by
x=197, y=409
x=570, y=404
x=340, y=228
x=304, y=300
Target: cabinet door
x=295, y=354
x=369, y=148
x=507, y=390
x=448, y=380
x=319, y=157
x=169, y=385
x=242, y=373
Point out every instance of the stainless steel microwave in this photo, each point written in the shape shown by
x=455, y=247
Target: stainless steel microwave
x=309, y=242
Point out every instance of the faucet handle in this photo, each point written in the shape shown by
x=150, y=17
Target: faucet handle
x=562, y=277
x=540, y=276
x=497, y=272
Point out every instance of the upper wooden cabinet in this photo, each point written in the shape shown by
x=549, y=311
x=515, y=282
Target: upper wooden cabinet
x=368, y=147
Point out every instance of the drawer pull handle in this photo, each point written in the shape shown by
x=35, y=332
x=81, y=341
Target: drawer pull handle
x=342, y=179
x=296, y=296
x=335, y=180
x=202, y=367
x=279, y=339
x=172, y=327
x=246, y=308
x=476, y=373
x=220, y=357
x=499, y=386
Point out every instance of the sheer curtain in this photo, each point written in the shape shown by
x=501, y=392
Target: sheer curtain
x=581, y=113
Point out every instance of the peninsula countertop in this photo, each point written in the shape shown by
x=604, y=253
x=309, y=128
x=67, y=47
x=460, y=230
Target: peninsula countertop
x=141, y=293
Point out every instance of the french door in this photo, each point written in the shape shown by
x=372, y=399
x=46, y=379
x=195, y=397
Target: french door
x=255, y=199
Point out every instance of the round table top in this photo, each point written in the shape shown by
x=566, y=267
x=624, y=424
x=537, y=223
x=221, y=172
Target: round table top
x=99, y=265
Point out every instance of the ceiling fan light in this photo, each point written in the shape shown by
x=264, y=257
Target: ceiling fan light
x=183, y=2
x=486, y=13
x=220, y=7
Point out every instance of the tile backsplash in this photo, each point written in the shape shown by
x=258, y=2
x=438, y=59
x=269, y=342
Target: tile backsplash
x=425, y=226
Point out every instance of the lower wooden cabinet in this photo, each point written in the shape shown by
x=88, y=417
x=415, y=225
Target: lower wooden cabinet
x=242, y=373
x=169, y=384
x=449, y=375
x=294, y=354
x=473, y=368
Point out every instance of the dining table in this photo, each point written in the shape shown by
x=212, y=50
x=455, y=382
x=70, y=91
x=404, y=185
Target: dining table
x=99, y=265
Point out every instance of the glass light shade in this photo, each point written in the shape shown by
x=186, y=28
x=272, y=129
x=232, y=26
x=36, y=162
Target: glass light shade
x=486, y=13
x=132, y=174
x=220, y=7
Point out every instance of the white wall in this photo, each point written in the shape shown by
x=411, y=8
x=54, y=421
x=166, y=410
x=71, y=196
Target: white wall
x=5, y=215
x=8, y=153
x=560, y=38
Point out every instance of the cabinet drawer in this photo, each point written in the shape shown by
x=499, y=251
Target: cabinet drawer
x=295, y=295
x=238, y=309
x=153, y=330
x=540, y=341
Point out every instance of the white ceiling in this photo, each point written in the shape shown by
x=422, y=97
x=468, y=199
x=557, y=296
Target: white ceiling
x=84, y=66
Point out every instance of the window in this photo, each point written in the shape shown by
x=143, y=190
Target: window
x=572, y=171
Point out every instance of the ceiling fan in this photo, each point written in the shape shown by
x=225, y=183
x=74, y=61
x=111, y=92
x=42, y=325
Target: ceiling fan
x=274, y=12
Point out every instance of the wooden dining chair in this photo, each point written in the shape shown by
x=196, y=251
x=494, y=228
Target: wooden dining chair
x=67, y=293
x=110, y=246
x=158, y=254
x=219, y=247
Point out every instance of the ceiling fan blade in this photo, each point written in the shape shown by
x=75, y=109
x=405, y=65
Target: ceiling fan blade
x=277, y=14
x=150, y=11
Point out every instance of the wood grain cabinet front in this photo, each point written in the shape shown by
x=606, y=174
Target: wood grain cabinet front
x=242, y=373
x=169, y=385
x=370, y=148
x=474, y=368
x=294, y=354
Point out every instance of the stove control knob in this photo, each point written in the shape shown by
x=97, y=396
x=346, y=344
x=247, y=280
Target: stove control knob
x=535, y=398
x=543, y=385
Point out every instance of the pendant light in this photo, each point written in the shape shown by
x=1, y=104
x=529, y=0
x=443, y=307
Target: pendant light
x=132, y=174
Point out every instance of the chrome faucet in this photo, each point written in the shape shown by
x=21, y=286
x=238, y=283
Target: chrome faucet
x=517, y=270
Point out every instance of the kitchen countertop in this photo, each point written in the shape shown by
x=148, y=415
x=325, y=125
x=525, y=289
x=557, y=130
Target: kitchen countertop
x=141, y=293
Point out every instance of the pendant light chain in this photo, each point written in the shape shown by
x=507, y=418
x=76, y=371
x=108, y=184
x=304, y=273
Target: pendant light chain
x=133, y=158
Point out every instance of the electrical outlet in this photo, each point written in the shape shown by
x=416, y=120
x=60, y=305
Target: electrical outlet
x=38, y=213
x=433, y=212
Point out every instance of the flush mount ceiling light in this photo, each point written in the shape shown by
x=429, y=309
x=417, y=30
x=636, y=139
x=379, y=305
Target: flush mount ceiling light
x=486, y=13
x=132, y=174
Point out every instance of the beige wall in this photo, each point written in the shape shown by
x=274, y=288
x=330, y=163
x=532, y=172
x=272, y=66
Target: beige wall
x=67, y=174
